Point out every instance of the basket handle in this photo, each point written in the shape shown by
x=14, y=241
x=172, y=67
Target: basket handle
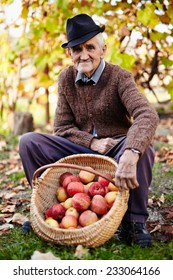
x=68, y=165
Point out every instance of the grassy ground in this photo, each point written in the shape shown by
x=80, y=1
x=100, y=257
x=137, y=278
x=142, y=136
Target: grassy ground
x=16, y=245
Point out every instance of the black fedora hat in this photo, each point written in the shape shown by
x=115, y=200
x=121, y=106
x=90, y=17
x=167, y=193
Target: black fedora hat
x=80, y=29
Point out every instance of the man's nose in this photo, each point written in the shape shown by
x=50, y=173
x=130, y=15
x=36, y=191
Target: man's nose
x=84, y=54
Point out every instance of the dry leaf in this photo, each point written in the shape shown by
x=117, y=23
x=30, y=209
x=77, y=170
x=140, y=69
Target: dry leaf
x=19, y=218
x=18, y=189
x=168, y=229
x=9, y=195
x=13, y=169
x=5, y=227
x=5, y=215
x=162, y=198
x=158, y=227
x=9, y=209
x=43, y=256
x=2, y=193
x=80, y=252
x=2, y=221
x=150, y=202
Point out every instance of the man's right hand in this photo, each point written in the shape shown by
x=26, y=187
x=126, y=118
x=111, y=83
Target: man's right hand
x=102, y=145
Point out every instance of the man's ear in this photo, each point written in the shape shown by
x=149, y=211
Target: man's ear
x=69, y=52
x=104, y=51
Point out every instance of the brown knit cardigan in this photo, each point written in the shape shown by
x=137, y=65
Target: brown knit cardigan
x=113, y=106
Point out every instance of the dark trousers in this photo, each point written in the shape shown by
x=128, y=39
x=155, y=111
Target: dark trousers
x=37, y=149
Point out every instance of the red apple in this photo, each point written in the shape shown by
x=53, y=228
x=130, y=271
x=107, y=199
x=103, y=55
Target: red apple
x=103, y=181
x=86, y=176
x=75, y=187
x=86, y=187
x=68, y=203
x=81, y=201
x=61, y=194
x=96, y=188
x=99, y=204
x=51, y=222
x=110, y=198
x=58, y=211
x=72, y=211
x=87, y=218
x=69, y=221
x=69, y=179
x=48, y=212
x=63, y=176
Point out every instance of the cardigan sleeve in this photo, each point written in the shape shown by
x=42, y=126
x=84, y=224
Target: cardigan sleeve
x=145, y=117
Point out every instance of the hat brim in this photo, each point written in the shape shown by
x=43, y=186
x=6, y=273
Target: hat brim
x=82, y=39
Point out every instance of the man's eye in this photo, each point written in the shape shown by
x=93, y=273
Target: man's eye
x=77, y=49
x=90, y=48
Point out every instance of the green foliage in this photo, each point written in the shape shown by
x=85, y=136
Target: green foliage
x=147, y=15
x=134, y=37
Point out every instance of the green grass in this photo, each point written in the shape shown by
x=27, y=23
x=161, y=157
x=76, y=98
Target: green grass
x=20, y=246
x=16, y=176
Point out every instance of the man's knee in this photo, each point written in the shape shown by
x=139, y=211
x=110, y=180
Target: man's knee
x=26, y=139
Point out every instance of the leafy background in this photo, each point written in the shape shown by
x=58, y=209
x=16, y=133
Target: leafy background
x=138, y=35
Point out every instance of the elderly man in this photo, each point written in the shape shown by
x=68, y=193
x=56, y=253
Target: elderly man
x=100, y=111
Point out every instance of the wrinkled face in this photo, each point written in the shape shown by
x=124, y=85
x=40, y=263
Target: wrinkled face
x=87, y=56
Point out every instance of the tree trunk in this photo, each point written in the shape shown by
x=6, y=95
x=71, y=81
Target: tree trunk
x=22, y=123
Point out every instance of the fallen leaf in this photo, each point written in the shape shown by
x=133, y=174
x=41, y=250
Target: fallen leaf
x=18, y=189
x=157, y=227
x=9, y=195
x=13, y=169
x=4, y=215
x=9, y=209
x=167, y=229
x=2, y=221
x=169, y=216
x=162, y=198
x=43, y=256
x=5, y=227
x=23, y=181
x=150, y=202
x=80, y=252
x=19, y=218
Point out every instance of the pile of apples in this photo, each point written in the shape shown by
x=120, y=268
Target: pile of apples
x=82, y=199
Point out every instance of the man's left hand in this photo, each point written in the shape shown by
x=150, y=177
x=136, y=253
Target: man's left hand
x=125, y=176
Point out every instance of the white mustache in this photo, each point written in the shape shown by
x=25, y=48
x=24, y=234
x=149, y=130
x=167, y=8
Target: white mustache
x=84, y=61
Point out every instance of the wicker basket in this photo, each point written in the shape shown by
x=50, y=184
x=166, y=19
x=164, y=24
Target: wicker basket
x=44, y=195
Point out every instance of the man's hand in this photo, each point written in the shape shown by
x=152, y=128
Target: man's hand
x=125, y=176
x=102, y=145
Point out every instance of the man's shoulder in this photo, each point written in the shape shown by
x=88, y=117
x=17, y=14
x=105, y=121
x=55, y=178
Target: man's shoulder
x=66, y=73
x=116, y=67
x=118, y=70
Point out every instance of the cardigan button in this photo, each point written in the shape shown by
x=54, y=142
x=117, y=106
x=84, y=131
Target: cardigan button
x=90, y=115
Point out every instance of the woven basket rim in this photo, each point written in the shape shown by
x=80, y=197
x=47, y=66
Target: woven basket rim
x=95, y=156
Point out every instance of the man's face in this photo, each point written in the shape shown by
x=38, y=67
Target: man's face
x=87, y=56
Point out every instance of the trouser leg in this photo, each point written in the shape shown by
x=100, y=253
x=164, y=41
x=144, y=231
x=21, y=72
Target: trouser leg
x=138, y=200
x=37, y=149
